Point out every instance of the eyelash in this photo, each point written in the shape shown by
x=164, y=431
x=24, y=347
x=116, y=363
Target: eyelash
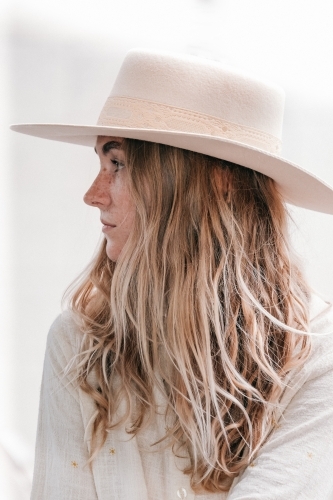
x=117, y=164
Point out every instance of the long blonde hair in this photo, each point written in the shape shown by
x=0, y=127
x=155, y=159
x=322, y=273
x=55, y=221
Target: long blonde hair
x=197, y=299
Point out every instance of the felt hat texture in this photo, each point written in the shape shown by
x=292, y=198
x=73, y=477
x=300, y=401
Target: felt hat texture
x=203, y=106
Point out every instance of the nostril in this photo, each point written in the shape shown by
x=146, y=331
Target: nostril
x=88, y=199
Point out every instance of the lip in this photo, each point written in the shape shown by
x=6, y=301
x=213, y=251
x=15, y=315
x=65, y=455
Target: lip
x=107, y=226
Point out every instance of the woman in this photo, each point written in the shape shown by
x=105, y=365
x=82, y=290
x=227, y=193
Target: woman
x=185, y=367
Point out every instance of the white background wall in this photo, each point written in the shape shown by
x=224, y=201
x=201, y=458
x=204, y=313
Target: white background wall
x=58, y=61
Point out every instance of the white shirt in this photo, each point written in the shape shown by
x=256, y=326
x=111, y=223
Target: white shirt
x=296, y=463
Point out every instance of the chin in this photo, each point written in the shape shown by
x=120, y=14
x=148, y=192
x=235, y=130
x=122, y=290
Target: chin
x=112, y=251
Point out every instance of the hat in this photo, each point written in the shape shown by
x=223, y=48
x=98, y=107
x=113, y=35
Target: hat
x=200, y=105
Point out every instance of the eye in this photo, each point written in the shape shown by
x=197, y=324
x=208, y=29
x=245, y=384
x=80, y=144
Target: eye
x=117, y=164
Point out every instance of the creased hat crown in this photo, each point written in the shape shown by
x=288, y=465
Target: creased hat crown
x=203, y=106
x=188, y=94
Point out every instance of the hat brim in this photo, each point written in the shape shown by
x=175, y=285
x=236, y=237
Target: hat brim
x=297, y=186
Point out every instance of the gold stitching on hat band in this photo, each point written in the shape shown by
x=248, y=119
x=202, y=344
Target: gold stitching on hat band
x=138, y=113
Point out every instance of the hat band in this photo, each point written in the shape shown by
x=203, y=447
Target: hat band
x=139, y=113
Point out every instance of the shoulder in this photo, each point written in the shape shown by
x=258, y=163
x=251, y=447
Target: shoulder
x=64, y=338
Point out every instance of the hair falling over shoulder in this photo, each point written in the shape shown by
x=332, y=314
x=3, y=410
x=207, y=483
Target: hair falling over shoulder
x=202, y=302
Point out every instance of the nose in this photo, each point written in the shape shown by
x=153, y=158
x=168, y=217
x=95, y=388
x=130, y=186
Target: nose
x=98, y=195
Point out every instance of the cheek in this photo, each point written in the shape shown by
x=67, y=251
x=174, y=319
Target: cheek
x=116, y=239
x=128, y=214
x=126, y=210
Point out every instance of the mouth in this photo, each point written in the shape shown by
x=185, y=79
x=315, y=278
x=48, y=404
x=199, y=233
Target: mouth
x=107, y=225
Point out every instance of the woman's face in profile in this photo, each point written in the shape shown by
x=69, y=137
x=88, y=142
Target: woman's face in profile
x=109, y=192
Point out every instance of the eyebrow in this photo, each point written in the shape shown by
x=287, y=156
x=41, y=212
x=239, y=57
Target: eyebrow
x=110, y=145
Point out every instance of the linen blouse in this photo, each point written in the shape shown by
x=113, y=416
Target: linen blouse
x=295, y=463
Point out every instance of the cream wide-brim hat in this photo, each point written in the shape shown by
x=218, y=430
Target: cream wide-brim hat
x=203, y=106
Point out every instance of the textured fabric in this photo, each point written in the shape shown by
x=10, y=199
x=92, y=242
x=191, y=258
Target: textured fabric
x=296, y=463
x=136, y=113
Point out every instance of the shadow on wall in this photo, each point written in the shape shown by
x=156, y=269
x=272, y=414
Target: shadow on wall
x=15, y=469
x=53, y=235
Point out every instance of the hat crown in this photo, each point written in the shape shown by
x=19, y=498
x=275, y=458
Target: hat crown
x=203, y=106
x=172, y=87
